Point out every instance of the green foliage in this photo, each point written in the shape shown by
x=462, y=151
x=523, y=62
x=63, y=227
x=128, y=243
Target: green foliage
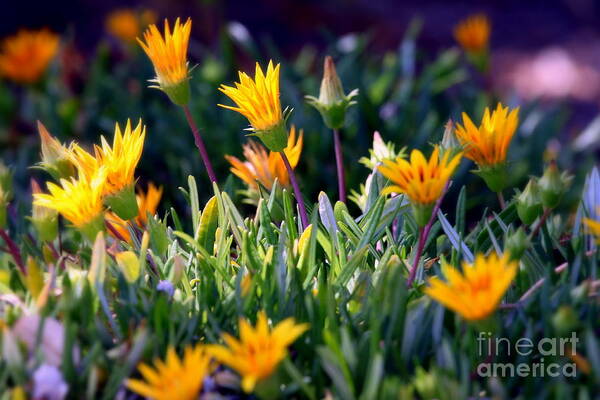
x=370, y=336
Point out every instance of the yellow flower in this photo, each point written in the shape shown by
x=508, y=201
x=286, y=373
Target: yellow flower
x=173, y=378
x=488, y=144
x=126, y=24
x=169, y=57
x=147, y=204
x=421, y=180
x=265, y=168
x=25, y=56
x=78, y=200
x=476, y=292
x=473, y=33
x=258, y=100
x=260, y=349
x=120, y=160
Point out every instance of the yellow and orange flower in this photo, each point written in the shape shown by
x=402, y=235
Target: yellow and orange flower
x=488, y=144
x=258, y=352
x=476, y=292
x=258, y=100
x=174, y=378
x=168, y=54
x=120, y=160
x=147, y=204
x=421, y=180
x=126, y=24
x=24, y=57
x=264, y=168
x=473, y=33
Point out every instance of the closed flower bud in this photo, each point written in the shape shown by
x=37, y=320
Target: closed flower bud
x=565, y=320
x=332, y=102
x=45, y=220
x=159, y=240
x=516, y=243
x=449, y=141
x=553, y=185
x=56, y=159
x=529, y=205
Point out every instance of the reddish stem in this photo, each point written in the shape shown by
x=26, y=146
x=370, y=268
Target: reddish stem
x=339, y=162
x=423, y=233
x=200, y=144
x=14, y=251
x=297, y=192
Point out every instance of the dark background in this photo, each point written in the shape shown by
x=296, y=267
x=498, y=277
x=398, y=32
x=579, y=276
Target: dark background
x=518, y=23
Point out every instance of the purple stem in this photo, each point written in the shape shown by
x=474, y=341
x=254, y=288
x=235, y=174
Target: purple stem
x=339, y=162
x=200, y=144
x=114, y=231
x=13, y=249
x=423, y=233
x=297, y=192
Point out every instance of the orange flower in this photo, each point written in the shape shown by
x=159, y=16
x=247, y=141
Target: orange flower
x=264, y=168
x=126, y=24
x=473, y=33
x=25, y=56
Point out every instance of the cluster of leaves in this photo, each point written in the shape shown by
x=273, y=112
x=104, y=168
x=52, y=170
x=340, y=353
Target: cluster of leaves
x=370, y=336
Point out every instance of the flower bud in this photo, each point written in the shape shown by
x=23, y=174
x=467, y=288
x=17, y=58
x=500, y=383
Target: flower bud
x=123, y=203
x=553, y=185
x=332, y=102
x=55, y=156
x=449, y=141
x=159, y=240
x=529, y=205
x=45, y=220
x=129, y=265
x=565, y=320
x=516, y=244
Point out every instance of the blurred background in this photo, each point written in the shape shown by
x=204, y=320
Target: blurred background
x=401, y=55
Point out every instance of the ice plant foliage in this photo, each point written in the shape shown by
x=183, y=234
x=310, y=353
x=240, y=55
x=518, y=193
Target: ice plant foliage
x=476, y=292
x=168, y=54
x=174, y=378
x=263, y=166
x=25, y=56
x=473, y=33
x=258, y=100
x=259, y=350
